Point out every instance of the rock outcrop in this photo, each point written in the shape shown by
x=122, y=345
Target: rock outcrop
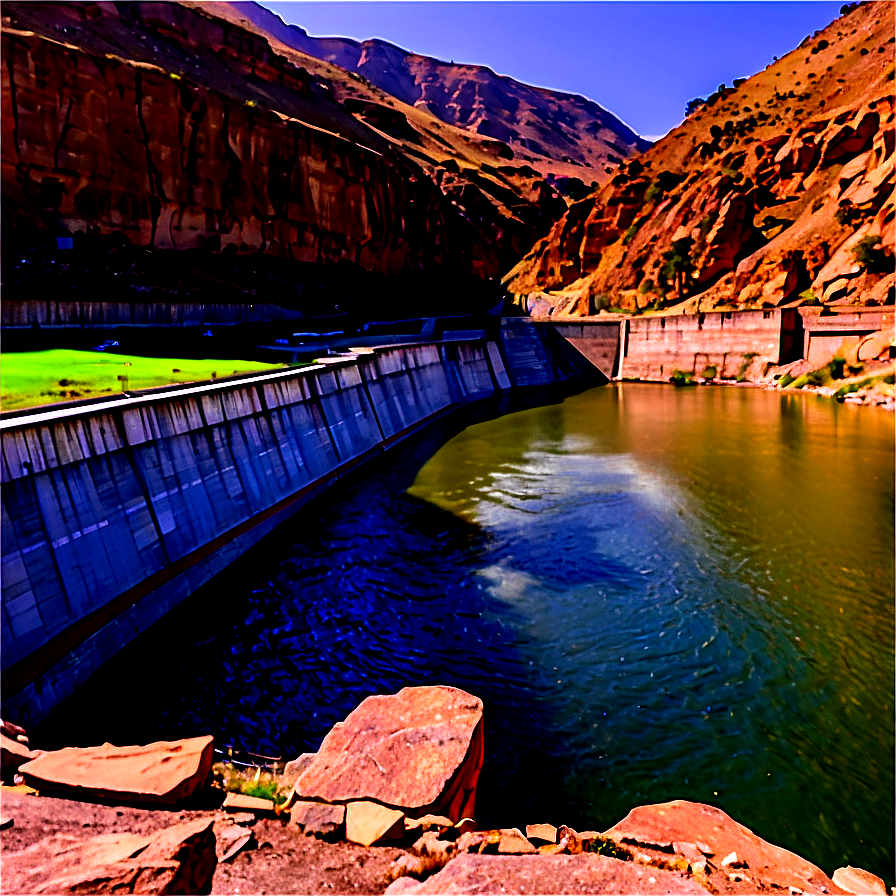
x=419, y=751
x=171, y=128
x=178, y=859
x=738, y=861
x=776, y=191
x=161, y=773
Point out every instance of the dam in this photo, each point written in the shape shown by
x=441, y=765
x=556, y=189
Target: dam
x=115, y=511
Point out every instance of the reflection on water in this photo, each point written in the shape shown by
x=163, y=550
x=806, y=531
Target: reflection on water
x=659, y=593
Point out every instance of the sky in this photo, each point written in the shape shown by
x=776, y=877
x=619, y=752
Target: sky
x=640, y=60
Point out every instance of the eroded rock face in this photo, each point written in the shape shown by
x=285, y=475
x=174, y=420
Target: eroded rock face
x=163, y=773
x=181, y=130
x=761, y=194
x=178, y=859
x=419, y=750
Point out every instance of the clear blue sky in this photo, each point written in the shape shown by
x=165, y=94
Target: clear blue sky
x=641, y=60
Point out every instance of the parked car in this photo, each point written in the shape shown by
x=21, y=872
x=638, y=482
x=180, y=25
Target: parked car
x=109, y=343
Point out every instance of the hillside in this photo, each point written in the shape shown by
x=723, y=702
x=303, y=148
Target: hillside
x=776, y=190
x=568, y=138
x=165, y=127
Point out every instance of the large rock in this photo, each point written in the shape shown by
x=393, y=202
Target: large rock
x=662, y=827
x=859, y=881
x=584, y=873
x=419, y=750
x=178, y=859
x=13, y=755
x=163, y=773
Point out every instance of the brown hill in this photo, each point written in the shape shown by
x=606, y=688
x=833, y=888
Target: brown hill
x=183, y=130
x=776, y=190
x=567, y=137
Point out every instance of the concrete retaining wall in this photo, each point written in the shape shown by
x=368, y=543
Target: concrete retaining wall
x=49, y=313
x=654, y=347
x=113, y=514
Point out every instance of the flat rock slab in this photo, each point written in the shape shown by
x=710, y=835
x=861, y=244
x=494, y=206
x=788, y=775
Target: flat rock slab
x=584, y=873
x=857, y=880
x=760, y=865
x=178, y=859
x=367, y=823
x=240, y=802
x=545, y=833
x=162, y=773
x=319, y=819
x=416, y=750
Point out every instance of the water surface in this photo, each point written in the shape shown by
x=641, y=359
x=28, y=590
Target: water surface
x=659, y=593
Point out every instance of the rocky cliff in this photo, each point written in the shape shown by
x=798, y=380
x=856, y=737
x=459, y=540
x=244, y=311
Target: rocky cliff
x=566, y=137
x=178, y=130
x=776, y=190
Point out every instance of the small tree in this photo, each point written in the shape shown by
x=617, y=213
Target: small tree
x=678, y=264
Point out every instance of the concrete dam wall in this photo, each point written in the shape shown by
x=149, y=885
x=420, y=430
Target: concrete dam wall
x=114, y=513
x=651, y=348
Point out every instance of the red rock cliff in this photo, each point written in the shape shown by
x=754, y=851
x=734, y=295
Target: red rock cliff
x=182, y=131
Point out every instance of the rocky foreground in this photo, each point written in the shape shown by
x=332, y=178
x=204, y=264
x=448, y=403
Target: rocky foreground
x=385, y=805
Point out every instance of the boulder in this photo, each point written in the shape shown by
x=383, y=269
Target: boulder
x=319, y=819
x=659, y=827
x=858, y=881
x=513, y=842
x=584, y=873
x=13, y=754
x=419, y=750
x=163, y=773
x=178, y=859
x=877, y=345
x=368, y=823
x=546, y=833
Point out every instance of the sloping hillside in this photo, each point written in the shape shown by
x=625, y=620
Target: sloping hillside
x=180, y=130
x=569, y=138
x=778, y=189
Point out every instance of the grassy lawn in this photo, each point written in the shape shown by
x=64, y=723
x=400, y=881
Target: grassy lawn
x=29, y=379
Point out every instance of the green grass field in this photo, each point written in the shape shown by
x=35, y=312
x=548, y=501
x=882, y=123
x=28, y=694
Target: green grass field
x=29, y=379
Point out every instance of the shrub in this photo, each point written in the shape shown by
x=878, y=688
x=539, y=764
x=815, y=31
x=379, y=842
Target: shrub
x=646, y=286
x=680, y=378
x=870, y=255
x=785, y=380
x=809, y=298
x=654, y=192
x=600, y=302
x=710, y=372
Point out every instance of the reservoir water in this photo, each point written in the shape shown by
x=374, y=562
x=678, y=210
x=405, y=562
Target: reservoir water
x=658, y=593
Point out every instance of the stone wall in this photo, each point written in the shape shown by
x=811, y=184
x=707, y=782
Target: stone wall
x=113, y=514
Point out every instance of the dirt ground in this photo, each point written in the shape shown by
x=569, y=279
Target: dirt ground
x=284, y=861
